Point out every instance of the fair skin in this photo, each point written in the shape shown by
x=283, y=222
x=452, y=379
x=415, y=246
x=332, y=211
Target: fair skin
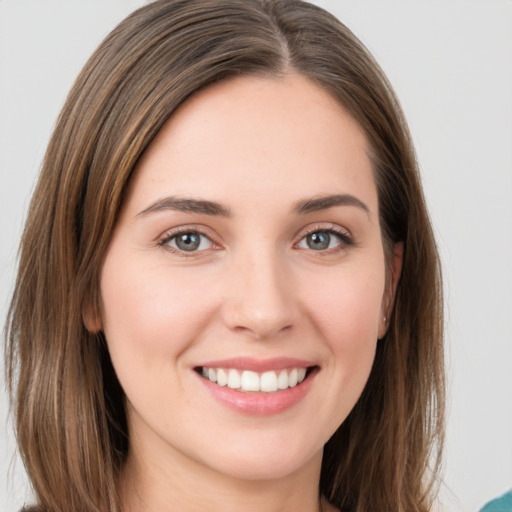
x=249, y=242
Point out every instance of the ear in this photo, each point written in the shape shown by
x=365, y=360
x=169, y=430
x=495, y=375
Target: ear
x=91, y=318
x=392, y=283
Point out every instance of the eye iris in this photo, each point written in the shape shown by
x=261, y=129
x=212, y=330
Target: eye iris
x=318, y=241
x=188, y=241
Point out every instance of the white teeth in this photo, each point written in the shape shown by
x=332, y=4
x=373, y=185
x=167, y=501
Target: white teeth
x=234, y=379
x=282, y=381
x=246, y=380
x=268, y=382
x=250, y=381
x=222, y=377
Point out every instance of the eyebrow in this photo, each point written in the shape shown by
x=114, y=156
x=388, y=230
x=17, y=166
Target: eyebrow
x=304, y=206
x=324, y=202
x=187, y=205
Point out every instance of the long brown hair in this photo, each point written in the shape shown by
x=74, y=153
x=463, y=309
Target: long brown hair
x=68, y=405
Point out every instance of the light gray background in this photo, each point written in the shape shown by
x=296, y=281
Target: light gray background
x=451, y=64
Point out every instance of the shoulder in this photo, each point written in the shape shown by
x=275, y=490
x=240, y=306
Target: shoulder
x=501, y=504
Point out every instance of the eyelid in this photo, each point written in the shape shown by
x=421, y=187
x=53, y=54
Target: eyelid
x=344, y=234
x=163, y=240
x=324, y=226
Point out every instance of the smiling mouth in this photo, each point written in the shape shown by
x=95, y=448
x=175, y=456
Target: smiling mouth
x=251, y=381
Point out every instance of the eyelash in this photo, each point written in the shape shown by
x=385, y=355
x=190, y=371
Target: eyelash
x=346, y=240
x=167, y=237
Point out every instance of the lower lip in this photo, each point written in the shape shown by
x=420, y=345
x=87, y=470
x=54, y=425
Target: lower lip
x=260, y=403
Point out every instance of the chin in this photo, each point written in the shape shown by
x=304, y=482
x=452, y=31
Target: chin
x=265, y=461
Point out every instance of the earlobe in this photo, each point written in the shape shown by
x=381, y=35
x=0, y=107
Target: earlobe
x=389, y=296
x=91, y=318
x=383, y=326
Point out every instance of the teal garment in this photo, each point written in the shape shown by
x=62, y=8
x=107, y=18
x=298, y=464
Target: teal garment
x=501, y=504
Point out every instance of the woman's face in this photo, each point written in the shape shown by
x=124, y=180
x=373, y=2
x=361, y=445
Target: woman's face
x=248, y=252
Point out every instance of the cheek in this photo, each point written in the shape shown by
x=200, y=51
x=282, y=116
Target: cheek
x=346, y=309
x=349, y=325
x=148, y=313
x=347, y=305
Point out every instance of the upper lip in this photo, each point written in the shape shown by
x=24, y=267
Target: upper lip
x=258, y=365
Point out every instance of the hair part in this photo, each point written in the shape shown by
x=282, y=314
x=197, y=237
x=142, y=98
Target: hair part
x=70, y=418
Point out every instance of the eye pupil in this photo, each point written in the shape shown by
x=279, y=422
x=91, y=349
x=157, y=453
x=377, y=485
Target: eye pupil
x=188, y=241
x=318, y=241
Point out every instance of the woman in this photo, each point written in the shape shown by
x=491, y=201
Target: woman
x=229, y=292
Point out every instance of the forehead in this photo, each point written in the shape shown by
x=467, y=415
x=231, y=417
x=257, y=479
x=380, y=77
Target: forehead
x=248, y=137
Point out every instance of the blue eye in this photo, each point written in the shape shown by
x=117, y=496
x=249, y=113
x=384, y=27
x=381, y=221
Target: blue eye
x=322, y=240
x=188, y=241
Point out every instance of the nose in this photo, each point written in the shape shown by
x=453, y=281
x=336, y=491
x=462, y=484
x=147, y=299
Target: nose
x=260, y=298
